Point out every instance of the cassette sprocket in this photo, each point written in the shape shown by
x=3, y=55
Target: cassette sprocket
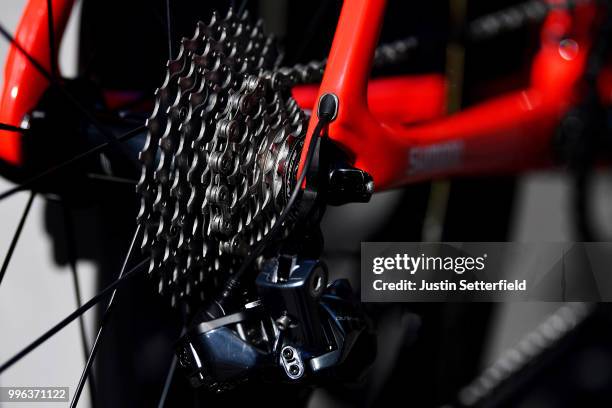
x=218, y=159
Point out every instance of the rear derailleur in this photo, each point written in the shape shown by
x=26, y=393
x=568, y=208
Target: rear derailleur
x=298, y=328
x=294, y=325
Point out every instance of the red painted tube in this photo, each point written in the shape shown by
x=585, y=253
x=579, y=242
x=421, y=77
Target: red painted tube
x=23, y=84
x=510, y=133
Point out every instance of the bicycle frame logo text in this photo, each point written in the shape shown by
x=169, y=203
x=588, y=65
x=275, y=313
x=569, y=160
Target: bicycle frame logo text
x=435, y=157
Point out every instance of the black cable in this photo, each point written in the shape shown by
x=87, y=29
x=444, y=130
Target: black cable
x=234, y=281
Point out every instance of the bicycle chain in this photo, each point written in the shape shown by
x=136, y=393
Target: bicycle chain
x=215, y=163
x=223, y=138
x=221, y=151
x=515, y=17
x=508, y=19
x=532, y=345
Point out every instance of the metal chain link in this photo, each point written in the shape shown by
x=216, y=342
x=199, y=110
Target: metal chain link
x=214, y=163
x=515, y=17
x=533, y=344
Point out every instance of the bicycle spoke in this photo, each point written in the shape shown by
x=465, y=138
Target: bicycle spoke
x=111, y=179
x=169, y=29
x=70, y=98
x=104, y=320
x=52, y=55
x=11, y=128
x=16, y=236
x=110, y=138
x=72, y=261
x=22, y=50
x=167, y=383
x=28, y=183
x=74, y=315
x=171, y=370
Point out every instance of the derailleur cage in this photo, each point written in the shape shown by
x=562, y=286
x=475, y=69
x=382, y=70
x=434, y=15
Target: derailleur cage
x=299, y=328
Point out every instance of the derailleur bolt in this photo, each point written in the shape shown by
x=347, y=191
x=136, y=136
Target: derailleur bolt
x=288, y=354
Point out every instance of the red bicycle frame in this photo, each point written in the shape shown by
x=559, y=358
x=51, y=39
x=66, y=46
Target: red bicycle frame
x=396, y=128
x=510, y=133
x=23, y=84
